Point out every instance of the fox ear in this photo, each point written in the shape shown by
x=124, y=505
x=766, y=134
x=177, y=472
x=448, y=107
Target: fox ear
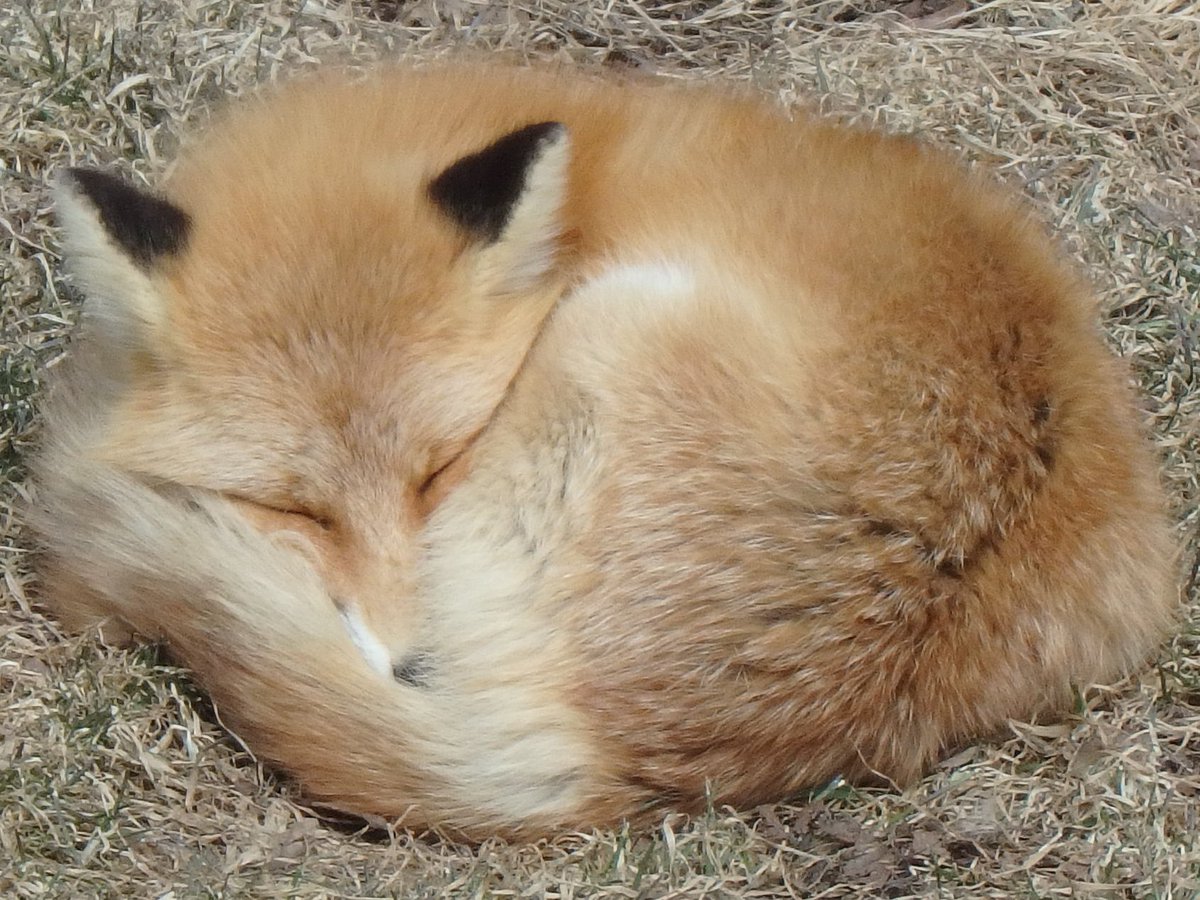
x=114, y=234
x=509, y=196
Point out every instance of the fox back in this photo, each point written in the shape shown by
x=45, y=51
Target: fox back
x=516, y=449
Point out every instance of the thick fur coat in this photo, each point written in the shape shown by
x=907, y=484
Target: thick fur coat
x=516, y=450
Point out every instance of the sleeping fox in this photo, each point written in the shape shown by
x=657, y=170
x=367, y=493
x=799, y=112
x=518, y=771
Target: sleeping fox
x=516, y=450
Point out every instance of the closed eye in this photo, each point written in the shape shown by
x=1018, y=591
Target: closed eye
x=324, y=522
x=427, y=485
x=296, y=512
x=437, y=486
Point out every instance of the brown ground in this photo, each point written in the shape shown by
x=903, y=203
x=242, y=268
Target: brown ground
x=117, y=780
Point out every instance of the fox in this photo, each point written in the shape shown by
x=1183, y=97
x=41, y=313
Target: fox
x=510, y=450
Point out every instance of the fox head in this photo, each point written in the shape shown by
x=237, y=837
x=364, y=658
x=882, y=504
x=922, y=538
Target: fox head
x=318, y=340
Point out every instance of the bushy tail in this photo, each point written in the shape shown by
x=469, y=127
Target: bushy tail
x=253, y=622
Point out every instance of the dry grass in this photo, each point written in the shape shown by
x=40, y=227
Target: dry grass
x=115, y=779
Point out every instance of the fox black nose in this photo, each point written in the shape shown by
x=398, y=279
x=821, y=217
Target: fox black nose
x=415, y=669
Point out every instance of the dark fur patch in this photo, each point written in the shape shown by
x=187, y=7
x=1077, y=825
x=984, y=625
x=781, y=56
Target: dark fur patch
x=414, y=670
x=883, y=528
x=951, y=567
x=1045, y=453
x=1045, y=445
x=144, y=226
x=480, y=191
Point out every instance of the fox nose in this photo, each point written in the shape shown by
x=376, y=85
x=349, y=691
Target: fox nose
x=415, y=669
x=412, y=667
x=375, y=593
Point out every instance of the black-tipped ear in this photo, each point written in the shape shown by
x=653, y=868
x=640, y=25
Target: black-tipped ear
x=480, y=191
x=146, y=227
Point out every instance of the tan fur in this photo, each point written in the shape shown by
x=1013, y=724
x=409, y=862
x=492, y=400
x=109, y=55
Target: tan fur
x=817, y=467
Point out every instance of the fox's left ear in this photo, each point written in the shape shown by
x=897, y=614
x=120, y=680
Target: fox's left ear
x=114, y=234
x=509, y=197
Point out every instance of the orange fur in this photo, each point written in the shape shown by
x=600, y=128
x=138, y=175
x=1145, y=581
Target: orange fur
x=754, y=450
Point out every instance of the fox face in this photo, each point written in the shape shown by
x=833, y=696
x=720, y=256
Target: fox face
x=328, y=374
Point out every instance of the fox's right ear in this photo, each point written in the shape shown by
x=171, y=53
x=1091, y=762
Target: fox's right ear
x=114, y=234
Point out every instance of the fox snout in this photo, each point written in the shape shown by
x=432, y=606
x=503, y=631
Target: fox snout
x=368, y=573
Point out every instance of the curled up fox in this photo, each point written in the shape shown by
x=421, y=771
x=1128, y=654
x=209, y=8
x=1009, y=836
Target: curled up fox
x=514, y=450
